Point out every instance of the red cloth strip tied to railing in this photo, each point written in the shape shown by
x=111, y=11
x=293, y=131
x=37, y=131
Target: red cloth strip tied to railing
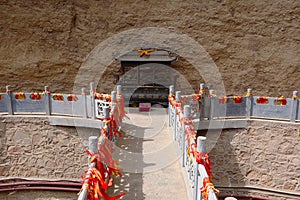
x=101, y=96
x=281, y=101
x=0, y=97
x=110, y=128
x=36, y=96
x=203, y=159
x=172, y=100
x=121, y=107
x=237, y=99
x=262, y=100
x=223, y=100
x=72, y=97
x=189, y=131
x=20, y=96
x=58, y=97
x=207, y=186
x=95, y=179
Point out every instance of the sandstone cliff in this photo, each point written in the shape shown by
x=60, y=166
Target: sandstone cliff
x=254, y=43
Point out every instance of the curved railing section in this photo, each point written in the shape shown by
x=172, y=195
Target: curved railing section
x=102, y=165
x=83, y=109
x=206, y=106
x=105, y=109
x=189, y=113
x=194, y=158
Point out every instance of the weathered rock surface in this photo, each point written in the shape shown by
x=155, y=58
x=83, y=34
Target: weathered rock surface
x=254, y=43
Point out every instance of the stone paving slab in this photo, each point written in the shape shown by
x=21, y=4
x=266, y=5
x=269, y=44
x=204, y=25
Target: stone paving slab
x=149, y=158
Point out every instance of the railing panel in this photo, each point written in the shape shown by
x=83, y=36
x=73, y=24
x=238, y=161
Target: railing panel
x=206, y=106
x=28, y=105
x=66, y=107
x=99, y=106
x=189, y=165
x=3, y=102
x=231, y=108
x=172, y=112
x=89, y=105
x=269, y=109
x=298, y=114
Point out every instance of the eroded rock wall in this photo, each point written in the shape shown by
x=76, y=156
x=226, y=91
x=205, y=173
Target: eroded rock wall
x=254, y=43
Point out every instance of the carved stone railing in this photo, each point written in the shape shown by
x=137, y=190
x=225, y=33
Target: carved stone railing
x=82, y=110
x=194, y=158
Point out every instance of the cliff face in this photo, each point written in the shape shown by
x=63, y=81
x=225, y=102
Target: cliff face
x=253, y=43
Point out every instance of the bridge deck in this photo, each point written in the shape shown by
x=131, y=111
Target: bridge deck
x=149, y=158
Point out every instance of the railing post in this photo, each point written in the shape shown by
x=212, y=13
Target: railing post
x=106, y=116
x=177, y=99
x=84, y=103
x=120, y=95
x=93, y=146
x=10, y=108
x=47, y=100
x=106, y=112
x=48, y=105
x=187, y=115
x=113, y=107
x=212, y=104
x=119, y=89
x=92, y=94
x=249, y=104
x=171, y=92
x=294, y=107
x=200, y=148
x=202, y=104
x=113, y=97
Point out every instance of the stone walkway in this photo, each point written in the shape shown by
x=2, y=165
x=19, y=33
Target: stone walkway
x=149, y=158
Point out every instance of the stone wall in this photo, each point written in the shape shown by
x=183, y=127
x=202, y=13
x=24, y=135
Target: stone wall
x=30, y=147
x=254, y=43
x=264, y=155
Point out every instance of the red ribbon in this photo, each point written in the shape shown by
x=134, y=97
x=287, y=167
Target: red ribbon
x=237, y=99
x=280, y=101
x=203, y=159
x=101, y=96
x=207, y=186
x=36, y=96
x=96, y=176
x=262, y=100
x=72, y=97
x=223, y=100
x=121, y=107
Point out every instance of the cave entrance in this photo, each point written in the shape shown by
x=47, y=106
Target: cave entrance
x=146, y=75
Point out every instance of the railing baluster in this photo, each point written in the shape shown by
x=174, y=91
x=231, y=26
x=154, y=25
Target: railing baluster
x=249, y=104
x=202, y=103
x=171, y=92
x=92, y=94
x=186, y=115
x=9, y=104
x=294, y=107
x=177, y=99
x=84, y=103
x=212, y=104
